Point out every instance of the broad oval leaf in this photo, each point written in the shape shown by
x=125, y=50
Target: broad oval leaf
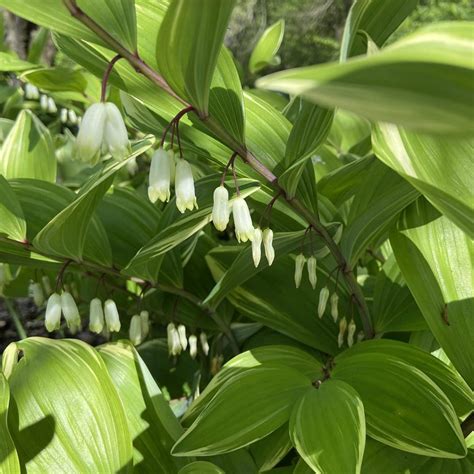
x=12, y=220
x=423, y=161
x=260, y=357
x=188, y=45
x=57, y=79
x=265, y=51
x=153, y=426
x=64, y=399
x=436, y=258
x=28, y=150
x=404, y=408
x=389, y=86
x=247, y=408
x=447, y=379
x=327, y=428
x=9, y=462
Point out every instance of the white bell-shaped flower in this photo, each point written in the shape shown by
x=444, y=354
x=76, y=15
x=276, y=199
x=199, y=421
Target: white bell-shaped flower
x=135, y=330
x=145, y=319
x=350, y=333
x=334, y=306
x=52, y=109
x=299, y=267
x=31, y=92
x=91, y=133
x=52, y=318
x=96, y=316
x=193, y=350
x=182, y=336
x=36, y=292
x=172, y=160
x=112, y=318
x=342, y=331
x=115, y=134
x=243, y=221
x=63, y=115
x=174, y=344
x=312, y=275
x=160, y=177
x=44, y=102
x=70, y=311
x=204, y=343
x=268, y=245
x=184, y=187
x=323, y=300
x=72, y=116
x=220, y=208
x=257, y=246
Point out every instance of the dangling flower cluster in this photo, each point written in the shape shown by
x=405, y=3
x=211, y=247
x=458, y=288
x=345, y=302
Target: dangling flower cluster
x=108, y=314
x=178, y=342
x=31, y=92
x=300, y=262
x=139, y=327
x=102, y=130
x=47, y=104
x=68, y=116
x=244, y=228
x=165, y=171
x=62, y=303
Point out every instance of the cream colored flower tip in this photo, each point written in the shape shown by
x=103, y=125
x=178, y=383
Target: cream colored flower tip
x=112, y=318
x=334, y=306
x=70, y=311
x=182, y=336
x=174, y=344
x=323, y=300
x=312, y=274
x=184, y=187
x=350, y=333
x=204, y=343
x=257, y=246
x=268, y=245
x=220, y=208
x=243, y=221
x=52, y=318
x=299, y=267
x=96, y=316
x=160, y=177
x=135, y=330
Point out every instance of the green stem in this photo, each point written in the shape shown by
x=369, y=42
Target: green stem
x=16, y=319
x=245, y=154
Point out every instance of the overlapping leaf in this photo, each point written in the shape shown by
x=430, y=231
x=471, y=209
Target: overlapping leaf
x=265, y=51
x=12, y=220
x=8, y=455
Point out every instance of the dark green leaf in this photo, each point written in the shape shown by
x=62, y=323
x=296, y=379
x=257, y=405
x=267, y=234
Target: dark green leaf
x=12, y=220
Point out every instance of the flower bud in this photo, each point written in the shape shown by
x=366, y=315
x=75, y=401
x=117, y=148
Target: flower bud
x=174, y=344
x=268, y=245
x=350, y=333
x=220, y=208
x=299, y=266
x=313, y=278
x=72, y=116
x=44, y=102
x=52, y=319
x=112, y=318
x=132, y=166
x=192, y=346
x=135, y=330
x=184, y=187
x=145, y=319
x=36, y=292
x=243, y=222
x=323, y=300
x=257, y=246
x=52, y=109
x=46, y=284
x=91, y=133
x=31, y=92
x=334, y=308
x=70, y=311
x=342, y=331
x=159, y=180
x=182, y=336
x=204, y=343
x=63, y=115
x=96, y=316
x=115, y=132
